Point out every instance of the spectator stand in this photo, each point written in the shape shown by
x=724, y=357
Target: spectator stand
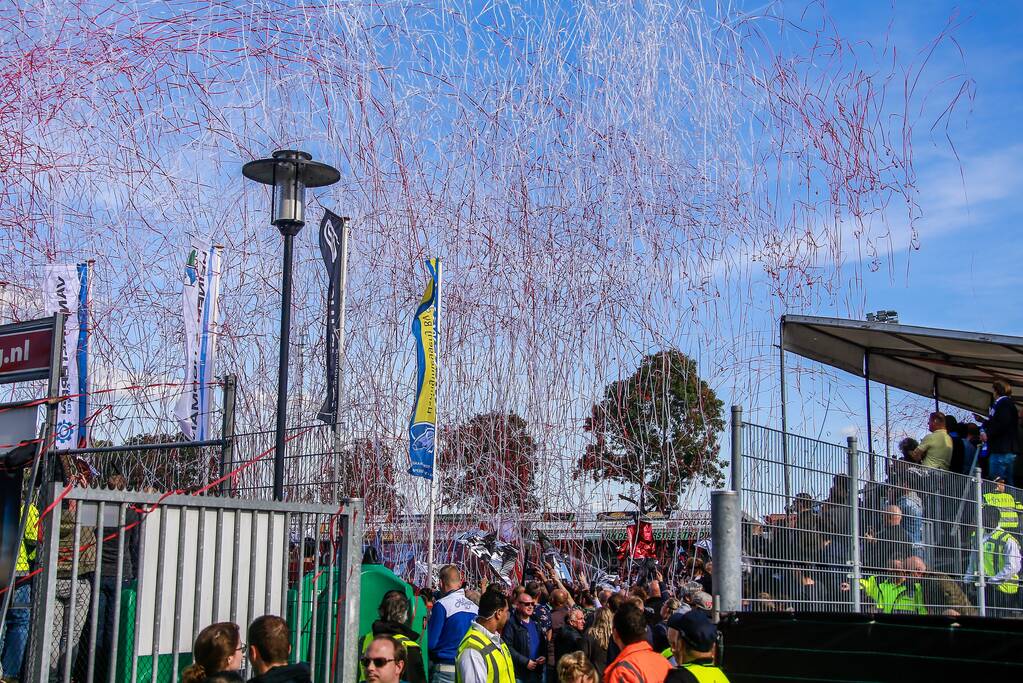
x=950, y=366
x=837, y=529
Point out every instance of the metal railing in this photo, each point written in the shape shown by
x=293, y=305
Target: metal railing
x=820, y=535
x=129, y=579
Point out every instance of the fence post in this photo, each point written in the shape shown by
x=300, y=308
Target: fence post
x=978, y=544
x=227, y=433
x=737, y=452
x=353, y=529
x=726, y=539
x=854, y=522
x=44, y=594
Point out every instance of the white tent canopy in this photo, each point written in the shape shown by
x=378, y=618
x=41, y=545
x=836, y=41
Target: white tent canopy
x=948, y=365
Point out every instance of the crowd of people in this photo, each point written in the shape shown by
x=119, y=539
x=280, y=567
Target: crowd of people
x=915, y=535
x=543, y=631
x=549, y=630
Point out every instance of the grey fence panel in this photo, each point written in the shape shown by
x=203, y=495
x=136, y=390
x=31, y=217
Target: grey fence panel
x=912, y=539
x=123, y=572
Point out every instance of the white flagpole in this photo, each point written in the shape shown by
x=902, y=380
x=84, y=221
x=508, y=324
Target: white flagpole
x=89, y=267
x=340, y=356
x=434, y=481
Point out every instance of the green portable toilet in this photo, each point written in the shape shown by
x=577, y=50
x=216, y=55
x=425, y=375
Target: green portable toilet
x=376, y=581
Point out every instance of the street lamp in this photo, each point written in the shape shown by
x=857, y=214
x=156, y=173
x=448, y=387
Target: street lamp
x=289, y=172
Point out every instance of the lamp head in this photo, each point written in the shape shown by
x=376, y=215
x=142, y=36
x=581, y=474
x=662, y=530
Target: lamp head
x=290, y=172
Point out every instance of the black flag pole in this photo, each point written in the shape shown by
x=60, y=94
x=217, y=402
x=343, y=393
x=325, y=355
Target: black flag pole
x=334, y=232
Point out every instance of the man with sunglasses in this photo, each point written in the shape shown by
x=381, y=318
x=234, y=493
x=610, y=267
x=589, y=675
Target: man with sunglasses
x=526, y=640
x=384, y=661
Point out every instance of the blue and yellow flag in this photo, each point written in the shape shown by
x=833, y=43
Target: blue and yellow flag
x=422, y=428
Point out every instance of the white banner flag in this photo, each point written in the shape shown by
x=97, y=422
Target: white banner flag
x=201, y=287
x=66, y=290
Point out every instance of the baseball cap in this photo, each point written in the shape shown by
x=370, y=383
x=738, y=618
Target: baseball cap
x=696, y=629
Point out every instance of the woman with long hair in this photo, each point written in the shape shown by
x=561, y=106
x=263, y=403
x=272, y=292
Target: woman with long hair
x=218, y=648
x=598, y=638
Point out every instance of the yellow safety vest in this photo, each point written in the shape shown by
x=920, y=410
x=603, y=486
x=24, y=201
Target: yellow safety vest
x=500, y=668
x=407, y=642
x=31, y=534
x=994, y=560
x=706, y=673
x=1006, y=505
x=893, y=598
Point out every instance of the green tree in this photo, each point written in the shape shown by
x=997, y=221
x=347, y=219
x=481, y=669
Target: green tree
x=490, y=461
x=657, y=429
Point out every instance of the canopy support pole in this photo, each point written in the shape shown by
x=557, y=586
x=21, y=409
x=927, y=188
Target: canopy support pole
x=784, y=414
x=870, y=424
x=887, y=427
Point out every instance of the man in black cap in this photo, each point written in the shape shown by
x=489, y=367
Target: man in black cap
x=693, y=639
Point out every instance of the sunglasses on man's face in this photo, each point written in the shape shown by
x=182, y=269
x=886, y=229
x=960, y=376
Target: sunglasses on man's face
x=377, y=662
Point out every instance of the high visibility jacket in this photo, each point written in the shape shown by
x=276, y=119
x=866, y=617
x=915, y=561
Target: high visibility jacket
x=500, y=668
x=705, y=673
x=994, y=560
x=25, y=556
x=637, y=663
x=894, y=598
x=1006, y=505
x=411, y=647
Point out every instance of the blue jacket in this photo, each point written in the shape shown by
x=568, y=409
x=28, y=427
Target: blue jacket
x=450, y=619
x=516, y=637
x=1002, y=427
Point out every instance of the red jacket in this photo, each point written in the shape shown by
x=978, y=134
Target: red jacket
x=637, y=663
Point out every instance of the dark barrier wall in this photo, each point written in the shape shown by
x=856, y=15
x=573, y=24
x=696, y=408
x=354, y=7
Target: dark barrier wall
x=850, y=647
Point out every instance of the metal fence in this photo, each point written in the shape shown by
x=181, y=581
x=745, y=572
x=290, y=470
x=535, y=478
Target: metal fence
x=128, y=580
x=819, y=534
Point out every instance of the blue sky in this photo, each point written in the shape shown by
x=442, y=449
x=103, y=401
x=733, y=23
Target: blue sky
x=965, y=274
x=962, y=276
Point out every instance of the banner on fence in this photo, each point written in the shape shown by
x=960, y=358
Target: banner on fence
x=423, y=423
x=66, y=291
x=199, y=296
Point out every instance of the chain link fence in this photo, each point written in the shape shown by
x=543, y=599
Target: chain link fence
x=821, y=534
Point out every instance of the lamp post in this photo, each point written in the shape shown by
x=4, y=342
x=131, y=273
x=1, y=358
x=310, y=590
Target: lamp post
x=289, y=172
